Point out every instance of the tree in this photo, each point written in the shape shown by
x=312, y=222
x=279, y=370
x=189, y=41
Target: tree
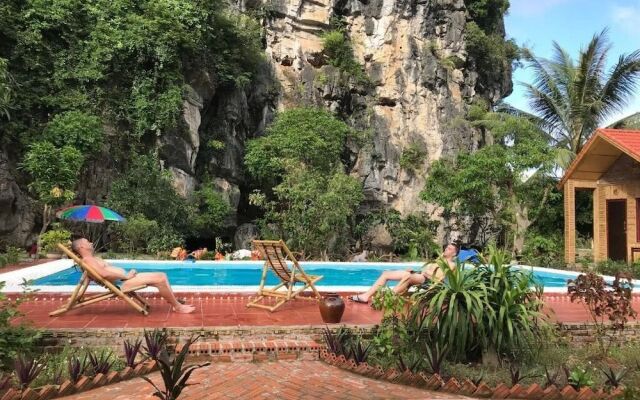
x=54, y=172
x=502, y=187
x=78, y=129
x=146, y=190
x=573, y=98
x=311, y=200
x=6, y=83
x=311, y=210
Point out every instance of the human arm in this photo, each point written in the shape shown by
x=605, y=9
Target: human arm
x=110, y=272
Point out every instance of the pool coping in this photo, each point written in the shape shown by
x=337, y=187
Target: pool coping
x=14, y=279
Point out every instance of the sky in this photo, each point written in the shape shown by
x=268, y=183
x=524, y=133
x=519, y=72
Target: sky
x=536, y=24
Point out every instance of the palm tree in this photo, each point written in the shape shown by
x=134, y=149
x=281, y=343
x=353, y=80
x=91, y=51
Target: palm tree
x=571, y=99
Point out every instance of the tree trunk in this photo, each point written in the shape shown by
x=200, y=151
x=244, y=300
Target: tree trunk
x=522, y=223
x=45, y=224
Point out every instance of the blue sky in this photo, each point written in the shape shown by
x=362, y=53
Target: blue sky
x=572, y=23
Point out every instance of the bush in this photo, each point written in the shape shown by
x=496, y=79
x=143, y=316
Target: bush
x=145, y=190
x=412, y=157
x=135, y=233
x=3, y=260
x=50, y=239
x=164, y=239
x=14, y=339
x=613, y=268
x=213, y=209
x=14, y=254
x=488, y=308
x=77, y=129
x=337, y=48
x=543, y=251
x=309, y=136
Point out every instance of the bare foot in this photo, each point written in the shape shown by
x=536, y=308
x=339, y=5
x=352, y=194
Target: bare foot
x=184, y=309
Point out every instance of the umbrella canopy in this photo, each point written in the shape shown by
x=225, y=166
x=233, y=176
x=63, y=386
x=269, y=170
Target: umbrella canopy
x=89, y=213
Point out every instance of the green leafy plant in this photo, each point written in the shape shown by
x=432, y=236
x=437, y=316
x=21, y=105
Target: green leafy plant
x=337, y=341
x=515, y=301
x=50, y=239
x=456, y=306
x=14, y=339
x=14, y=254
x=337, y=48
x=54, y=172
x=579, y=378
x=436, y=352
x=77, y=129
x=412, y=157
x=516, y=374
x=174, y=375
x=358, y=350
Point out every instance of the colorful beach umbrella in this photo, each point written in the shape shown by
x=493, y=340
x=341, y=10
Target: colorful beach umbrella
x=89, y=213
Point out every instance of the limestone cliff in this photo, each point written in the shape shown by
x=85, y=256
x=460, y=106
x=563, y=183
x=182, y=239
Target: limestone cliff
x=420, y=82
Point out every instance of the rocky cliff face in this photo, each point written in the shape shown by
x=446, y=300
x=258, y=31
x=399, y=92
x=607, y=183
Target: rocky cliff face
x=413, y=52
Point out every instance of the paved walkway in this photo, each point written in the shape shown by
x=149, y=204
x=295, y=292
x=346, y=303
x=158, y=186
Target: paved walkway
x=216, y=310
x=269, y=380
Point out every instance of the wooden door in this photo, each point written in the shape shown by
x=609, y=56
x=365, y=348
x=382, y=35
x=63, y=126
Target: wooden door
x=617, y=230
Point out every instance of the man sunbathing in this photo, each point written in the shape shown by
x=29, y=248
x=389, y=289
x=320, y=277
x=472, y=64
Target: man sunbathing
x=84, y=249
x=430, y=272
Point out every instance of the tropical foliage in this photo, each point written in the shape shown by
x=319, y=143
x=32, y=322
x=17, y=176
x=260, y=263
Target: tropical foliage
x=573, y=97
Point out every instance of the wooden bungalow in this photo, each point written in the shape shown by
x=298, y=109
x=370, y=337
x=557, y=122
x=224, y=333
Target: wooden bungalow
x=609, y=165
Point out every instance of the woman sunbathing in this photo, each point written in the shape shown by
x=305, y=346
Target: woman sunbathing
x=430, y=272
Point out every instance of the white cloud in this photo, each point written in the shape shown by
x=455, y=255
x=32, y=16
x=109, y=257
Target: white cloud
x=529, y=8
x=627, y=17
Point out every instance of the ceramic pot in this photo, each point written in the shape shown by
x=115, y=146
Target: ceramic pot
x=331, y=308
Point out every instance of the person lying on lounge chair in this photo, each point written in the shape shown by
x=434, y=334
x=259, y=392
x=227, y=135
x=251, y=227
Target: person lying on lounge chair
x=430, y=272
x=84, y=249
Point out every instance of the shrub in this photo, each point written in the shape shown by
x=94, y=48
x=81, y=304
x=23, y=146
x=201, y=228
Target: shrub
x=603, y=300
x=145, y=190
x=14, y=339
x=14, y=254
x=135, y=233
x=543, y=251
x=213, y=210
x=412, y=157
x=3, y=260
x=26, y=370
x=613, y=268
x=164, y=239
x=77, y=129
x=337, y=48
x=50, y=239
x=309, y=136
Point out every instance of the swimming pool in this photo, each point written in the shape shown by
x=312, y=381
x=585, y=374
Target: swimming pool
x=61, y=275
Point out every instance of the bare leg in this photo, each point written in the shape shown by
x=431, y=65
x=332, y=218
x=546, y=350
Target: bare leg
x=411, y=280
x=159, y=280
x=382, y=280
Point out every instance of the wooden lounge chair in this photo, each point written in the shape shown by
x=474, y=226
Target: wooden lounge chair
x=78, y=298
x=275, y=253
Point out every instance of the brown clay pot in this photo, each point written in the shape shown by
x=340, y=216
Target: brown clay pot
x=331, y=308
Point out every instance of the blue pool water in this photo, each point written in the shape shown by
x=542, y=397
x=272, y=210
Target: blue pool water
x=204, y=273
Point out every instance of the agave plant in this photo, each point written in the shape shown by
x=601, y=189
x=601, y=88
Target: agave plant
x=174, y=375
x=131, y=351
x=26, y=370
x=410, y=361
x=76, y=367
x=155, y=342
x=336, y=341
x=436, y=354
x=551, y=378
x=358, y=351
x=613, y=378
x=516, y=374
x=101, y=364
x=5, y=380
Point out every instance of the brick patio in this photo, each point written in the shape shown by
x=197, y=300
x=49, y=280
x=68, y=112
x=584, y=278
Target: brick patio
x=266, y=380
x=230, y=310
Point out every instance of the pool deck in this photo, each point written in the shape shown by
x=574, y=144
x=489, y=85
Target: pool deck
x=229, y=310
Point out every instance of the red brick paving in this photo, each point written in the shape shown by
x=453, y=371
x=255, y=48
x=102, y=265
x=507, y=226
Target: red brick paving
x=230, y=310
x=278, y=380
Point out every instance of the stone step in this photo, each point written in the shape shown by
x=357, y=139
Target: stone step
x=255, y=350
